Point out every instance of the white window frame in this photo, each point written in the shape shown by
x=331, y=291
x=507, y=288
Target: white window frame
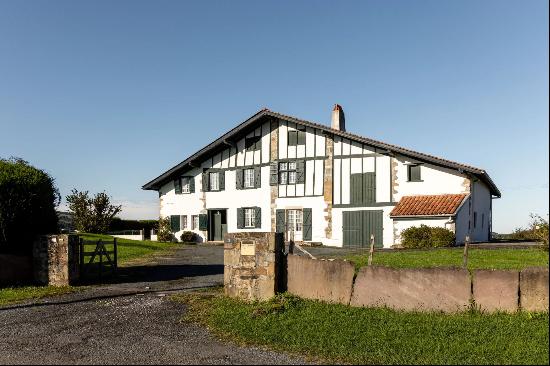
x=249, y=218
x=183, y=222
x=295, y=220
x=248, y=178
x=186, y=184
x=214, y=181
x=287, y=173
x=194, y=222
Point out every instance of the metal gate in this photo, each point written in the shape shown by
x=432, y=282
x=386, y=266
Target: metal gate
x=98, y=258
x=360, y=225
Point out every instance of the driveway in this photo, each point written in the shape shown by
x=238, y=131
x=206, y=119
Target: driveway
x=129, y=321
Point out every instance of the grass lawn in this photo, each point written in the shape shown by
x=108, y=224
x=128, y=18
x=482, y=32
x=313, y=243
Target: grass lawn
x=339, y=333
x=11, y=295
x=129, y=250
x=477, y=258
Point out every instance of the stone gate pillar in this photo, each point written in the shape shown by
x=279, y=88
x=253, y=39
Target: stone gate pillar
x=56, y=260
x=253, y=265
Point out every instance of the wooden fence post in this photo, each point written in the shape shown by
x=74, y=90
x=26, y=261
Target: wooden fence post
x=465, y=255
x=371, y=251
x=115, y=254
x=81, y=254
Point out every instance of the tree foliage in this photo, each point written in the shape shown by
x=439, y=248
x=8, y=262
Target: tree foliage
x=28, y=198
x=92, y=214
x=427, y=237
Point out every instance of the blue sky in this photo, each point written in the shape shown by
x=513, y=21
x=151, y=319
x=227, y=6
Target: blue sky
x=106, y=95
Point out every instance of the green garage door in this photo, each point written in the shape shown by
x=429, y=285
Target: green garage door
x=359, y=225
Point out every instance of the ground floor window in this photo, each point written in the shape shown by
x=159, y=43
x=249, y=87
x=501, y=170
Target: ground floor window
x=249, y=217
x=294, y=220
x=184, y=221
x=194, y=222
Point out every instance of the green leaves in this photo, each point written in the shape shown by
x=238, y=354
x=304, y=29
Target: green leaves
x=92, y=214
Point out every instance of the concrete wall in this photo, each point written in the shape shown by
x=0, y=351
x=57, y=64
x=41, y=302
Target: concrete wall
x=15, y=269
x=429, y=289
x=329, y=281
x=496, y=290
x=534, y=289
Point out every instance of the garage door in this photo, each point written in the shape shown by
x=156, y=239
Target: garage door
x=360, y=225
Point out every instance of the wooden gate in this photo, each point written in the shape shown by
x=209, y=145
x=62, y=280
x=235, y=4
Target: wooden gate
x=360, y=225
x=98, y=258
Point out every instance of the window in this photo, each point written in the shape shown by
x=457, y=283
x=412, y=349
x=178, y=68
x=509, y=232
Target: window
x=184, y=222
x=294, y=220
x=287, y=173
x=414, y=173
x=249, y=217
x=253, y=143
x=482, y=220
x=194, y=222
x=214, y=181
x=475, y=219
x=186, y=184
x=248, y=178
x=297, y=137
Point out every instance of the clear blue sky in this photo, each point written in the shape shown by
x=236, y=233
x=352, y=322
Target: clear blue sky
x=106, y=95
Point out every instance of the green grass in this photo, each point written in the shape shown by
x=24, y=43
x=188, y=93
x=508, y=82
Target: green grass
x=129, y=250
x=12, y=295
x=339, y=333
x=477, y=258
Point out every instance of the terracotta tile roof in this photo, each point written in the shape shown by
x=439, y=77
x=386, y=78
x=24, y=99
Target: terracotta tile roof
x=433, y=205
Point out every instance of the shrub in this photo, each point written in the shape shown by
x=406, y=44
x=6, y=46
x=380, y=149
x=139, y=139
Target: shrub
x=164, y=233
x=188, y=237
x=28, y=198
x=427, y=237
x=539, y=228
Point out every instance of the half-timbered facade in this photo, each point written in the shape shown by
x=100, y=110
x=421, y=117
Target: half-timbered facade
x=320, y=184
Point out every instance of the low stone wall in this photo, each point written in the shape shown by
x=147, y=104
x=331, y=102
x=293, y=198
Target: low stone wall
x=496, y=290
x=428, y=289
x=252, y=265
x=56, y=260
x=533, y=285
x=330, y=281
x=15, y=269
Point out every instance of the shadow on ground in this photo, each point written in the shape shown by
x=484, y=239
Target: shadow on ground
x=159, y=273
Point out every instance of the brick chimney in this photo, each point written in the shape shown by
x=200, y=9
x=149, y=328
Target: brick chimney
x=338, y=118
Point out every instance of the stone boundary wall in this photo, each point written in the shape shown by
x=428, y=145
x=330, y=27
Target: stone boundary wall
x=330, y=281
x=15, y=269
x=427, y=289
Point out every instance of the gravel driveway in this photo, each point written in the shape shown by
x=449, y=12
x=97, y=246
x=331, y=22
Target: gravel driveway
x=129, y=322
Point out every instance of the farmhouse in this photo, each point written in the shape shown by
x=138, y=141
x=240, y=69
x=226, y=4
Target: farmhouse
x=320, y=184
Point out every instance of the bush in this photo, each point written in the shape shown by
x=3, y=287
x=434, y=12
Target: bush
x=539, y=228
x=28, y=198
x=427, y=237
x=188, y=237
x=164, y=233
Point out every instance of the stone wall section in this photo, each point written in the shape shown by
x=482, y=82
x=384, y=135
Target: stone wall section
x=533, y=285
x=56, y=260
x=327, y=280
x=252, y=265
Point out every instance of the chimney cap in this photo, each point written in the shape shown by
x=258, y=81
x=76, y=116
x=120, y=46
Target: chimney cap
x=337, y=107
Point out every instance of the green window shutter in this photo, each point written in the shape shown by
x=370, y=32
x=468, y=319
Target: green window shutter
x=307, y=224
x=203, y=222
x=273, y=173
x=300, y=171
x=257, y=177
x=239, y=177
x=292, y=138
x=222, y=180
x=240, y=218
x=205, y=182
x=191, y=184
x=177, y=185
x=280, y=221
x=356, y=189
x=174, y=223
x=301, y=137
x=369, y=181
x=258, y=217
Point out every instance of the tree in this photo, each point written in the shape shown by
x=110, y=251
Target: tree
x=28, y=198
x=92, y=214
x=539, y=227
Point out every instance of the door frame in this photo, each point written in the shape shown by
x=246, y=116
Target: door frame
x=210, y=217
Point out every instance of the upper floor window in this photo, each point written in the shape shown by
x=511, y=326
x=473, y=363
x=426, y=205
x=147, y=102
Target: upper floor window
x=249, y=178
x=186, y=185
x=297, y=137
x=249, y=217
x=214, y=181
x=414, y=173
x=253, y=143
x=287, y=172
